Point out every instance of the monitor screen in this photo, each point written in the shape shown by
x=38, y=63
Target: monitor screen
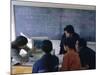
x=37, y=42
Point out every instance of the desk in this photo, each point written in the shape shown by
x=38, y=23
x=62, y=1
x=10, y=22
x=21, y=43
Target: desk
x=21, y=69
x=27, y=68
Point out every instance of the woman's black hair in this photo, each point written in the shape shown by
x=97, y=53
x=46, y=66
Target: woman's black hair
x=20, y=41
x=70, y=42
x=47, y=46
x=69, y=29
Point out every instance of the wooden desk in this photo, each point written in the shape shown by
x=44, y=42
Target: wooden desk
x=28, y=69
x=21, y=69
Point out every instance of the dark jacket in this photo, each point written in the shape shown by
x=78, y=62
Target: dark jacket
x=63, y=39
x=88, y=57
x=48, y=63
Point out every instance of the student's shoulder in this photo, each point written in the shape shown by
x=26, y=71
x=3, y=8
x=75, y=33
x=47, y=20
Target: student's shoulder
x=71, y=54
x=91, y=51
x=76, y=54
x=87, y=50
x=37, y=64
x=66, y=55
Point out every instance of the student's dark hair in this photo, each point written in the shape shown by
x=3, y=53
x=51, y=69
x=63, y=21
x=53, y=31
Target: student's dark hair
x=47, y=46
x=70, y=42
x=69, y=29
x=20, y=41
x=82, y=42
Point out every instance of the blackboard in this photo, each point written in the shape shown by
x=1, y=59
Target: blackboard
x=46, y=21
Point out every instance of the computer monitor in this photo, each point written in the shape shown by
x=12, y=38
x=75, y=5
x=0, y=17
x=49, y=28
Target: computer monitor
x=37, y=43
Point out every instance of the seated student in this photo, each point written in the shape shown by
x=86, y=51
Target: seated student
x=87, y=55
x=19, y=43
x=68, y=32
x=71, y=59
x=48, y=62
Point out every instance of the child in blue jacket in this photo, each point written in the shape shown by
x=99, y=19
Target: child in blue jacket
x=48, y=62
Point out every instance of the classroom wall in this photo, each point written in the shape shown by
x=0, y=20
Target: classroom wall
x=38, y=21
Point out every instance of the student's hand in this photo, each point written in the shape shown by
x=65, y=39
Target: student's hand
x=25, y=59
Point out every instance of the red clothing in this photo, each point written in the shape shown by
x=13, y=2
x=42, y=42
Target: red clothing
x=71, y=61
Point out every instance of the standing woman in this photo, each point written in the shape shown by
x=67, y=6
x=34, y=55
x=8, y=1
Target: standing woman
x=68, y=32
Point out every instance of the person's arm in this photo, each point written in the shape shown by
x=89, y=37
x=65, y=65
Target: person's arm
x=61, y=44
x=56, y=63
x=35, y=68
x=29, y=51
x=27, y=48
x=16, y=58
